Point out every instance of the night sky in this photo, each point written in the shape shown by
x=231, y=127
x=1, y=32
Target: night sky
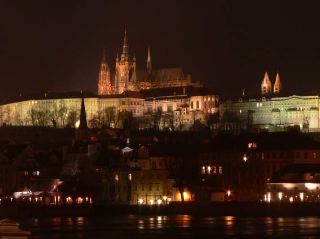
x=56, y=45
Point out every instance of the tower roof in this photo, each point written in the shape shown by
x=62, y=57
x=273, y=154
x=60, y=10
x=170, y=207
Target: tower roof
x=149, y=65
x=83, y=115
x=277, y=87
x=104, y=58
x=125, y=48
x=266, y=79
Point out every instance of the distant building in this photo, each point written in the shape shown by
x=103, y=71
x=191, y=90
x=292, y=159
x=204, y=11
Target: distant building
x=169, y=93
x=295, y=183
x=127, y=77
x=272, y=111
x=244, y=164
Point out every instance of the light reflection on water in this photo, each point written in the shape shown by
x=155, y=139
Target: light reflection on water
x=178, y=226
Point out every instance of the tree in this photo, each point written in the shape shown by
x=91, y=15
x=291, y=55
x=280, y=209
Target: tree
x=182, y=168
x=72, y=118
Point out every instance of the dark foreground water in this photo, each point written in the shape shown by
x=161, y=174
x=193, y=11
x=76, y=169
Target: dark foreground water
x=175, y=227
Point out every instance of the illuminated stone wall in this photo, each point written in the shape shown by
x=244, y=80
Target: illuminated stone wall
x=66, y=111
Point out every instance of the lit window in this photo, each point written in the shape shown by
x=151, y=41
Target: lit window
x=245, y=158
x=209, y=169
x=214, y=170
x=26, y=173
x=36, y=173
x=130, y=176
x=203, y=170
x=220, y=169
x=252, y=145
x=116, y=177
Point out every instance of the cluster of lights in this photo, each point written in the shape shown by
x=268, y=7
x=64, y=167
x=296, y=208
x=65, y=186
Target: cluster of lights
x=159, y=201
x=211, y=170
x=299, y=197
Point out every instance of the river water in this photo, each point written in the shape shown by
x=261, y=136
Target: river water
x=175, y=227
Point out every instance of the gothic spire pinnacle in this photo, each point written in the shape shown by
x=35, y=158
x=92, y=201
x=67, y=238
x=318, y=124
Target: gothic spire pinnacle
x=104, y=58
x=149, y=65
x=125, y=48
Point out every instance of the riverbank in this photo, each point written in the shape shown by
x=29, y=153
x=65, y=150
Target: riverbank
x=212, y=209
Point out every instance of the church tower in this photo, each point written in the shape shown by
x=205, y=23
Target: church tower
x=125, y=66
x=149, y=65
x=277, y=87
x=82, y=133
x=266, y=87
x=104, y=85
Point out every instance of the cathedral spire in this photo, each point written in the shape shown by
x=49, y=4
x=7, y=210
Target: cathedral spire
x=125, y=48
x=149, y=65
x=266, y=85
x=104, y=58
x=277, y=87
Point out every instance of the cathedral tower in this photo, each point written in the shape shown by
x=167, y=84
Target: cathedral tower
x=104, y=85
x=266, y=87
x=277, y=87
x=125, y=66
x=149, y=65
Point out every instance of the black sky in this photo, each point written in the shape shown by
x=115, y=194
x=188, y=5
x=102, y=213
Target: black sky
x=56, y=45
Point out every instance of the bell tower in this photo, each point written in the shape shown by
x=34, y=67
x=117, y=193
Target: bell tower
x=266, y=85
x=125, y=66
x=104, y=85
x=277, y=87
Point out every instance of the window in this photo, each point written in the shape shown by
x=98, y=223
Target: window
x=203, y=170
x=209, y=170
x=26, y=173
x=198, y=105
x=220, y=169
x=130, y=176
x=252, y=145
x=191, y=104
x=142, y=187
x=150, y=187
x=157, y=187
x=170, y=108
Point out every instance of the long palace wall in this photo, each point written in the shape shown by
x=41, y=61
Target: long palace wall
x=302, y=111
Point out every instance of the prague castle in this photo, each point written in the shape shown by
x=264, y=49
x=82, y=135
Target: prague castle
x=128, y=78
x=166, y=94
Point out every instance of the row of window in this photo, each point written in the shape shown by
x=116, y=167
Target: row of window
x=34, y=173
x=211, y=169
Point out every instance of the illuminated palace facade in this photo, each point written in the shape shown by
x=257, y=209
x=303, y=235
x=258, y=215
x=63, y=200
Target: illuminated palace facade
x=139, y=91
x=272, y=110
